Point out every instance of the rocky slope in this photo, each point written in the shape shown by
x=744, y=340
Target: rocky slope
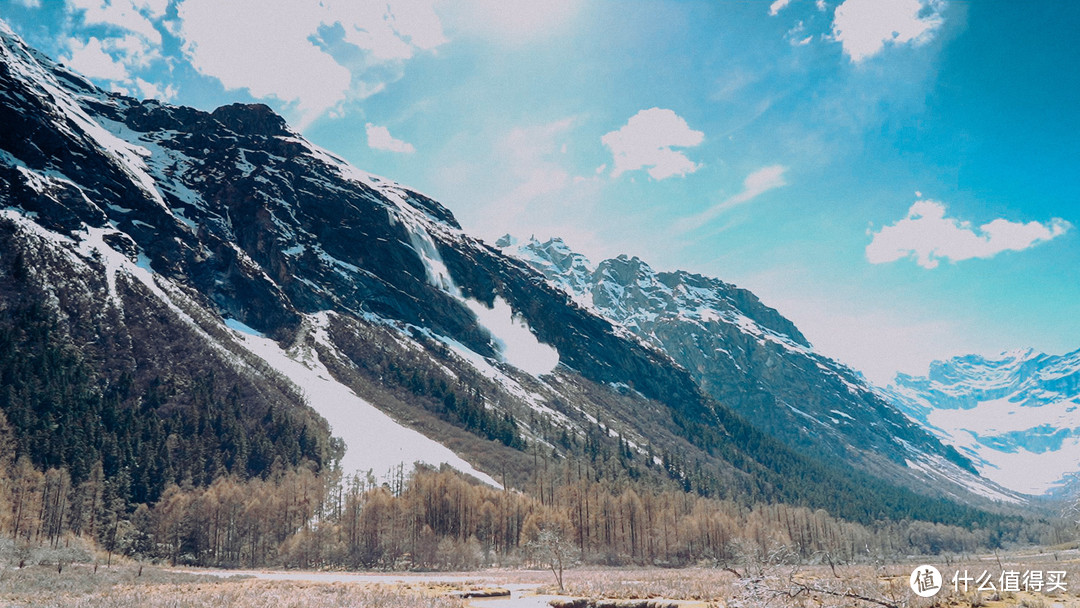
x=752, y=359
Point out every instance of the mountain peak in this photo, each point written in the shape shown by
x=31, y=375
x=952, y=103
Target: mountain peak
x=251, y=119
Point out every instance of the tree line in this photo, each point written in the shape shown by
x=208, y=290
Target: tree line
x=438, y=519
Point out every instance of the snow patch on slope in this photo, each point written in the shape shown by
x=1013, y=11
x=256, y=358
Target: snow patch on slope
x=513, y=338
x=373, y=439
x=510, y=334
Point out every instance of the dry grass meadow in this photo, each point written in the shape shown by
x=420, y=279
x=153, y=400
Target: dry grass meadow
x=757, y=585
x=120, y=587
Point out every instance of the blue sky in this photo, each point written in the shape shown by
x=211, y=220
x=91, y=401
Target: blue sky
x=896, y=176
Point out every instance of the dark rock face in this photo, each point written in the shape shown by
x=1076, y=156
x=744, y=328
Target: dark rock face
x=251, y=120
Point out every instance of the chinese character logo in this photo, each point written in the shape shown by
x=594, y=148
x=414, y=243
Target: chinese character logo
x=925, y=581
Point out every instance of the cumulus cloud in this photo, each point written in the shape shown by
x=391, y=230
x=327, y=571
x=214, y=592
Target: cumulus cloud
x=150, y=90
x=388, y=31
x=928, y=236
x=281, y=50
x=863, y=27
x=133, y=44
x=137, y=44
x=647, y=140
x=755, y=184
x=271, y=54
x=91, y=59
x=379, y=138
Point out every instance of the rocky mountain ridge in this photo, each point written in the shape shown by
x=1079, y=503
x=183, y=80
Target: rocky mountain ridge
x=751, y=358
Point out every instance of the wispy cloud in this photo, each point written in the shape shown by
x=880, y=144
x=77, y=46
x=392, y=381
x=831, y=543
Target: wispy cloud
x=863, y=27
x=379, y=138
x=646, y=141
x=777, y=6
x=926, y=235
x=525, y=182
x=755, y=184
x=137, y=16
x=534, y=158
x=511, y=23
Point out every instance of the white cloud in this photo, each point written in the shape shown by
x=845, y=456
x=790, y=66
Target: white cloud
x=796, y=35
x=134, y=44
x=777, y=6
x=30, y=3
x=279, y=51
x=389, y=31
x=863, y=27
x=270, y=54
x=131, y=15
x=149, y=90
x=529, y=183
x=133, y=51
x=533, y=145
x=759, y=181
x=928, y=236
x=647, y=140
x=755, y=184
x=379, y=138
x=115, y=57
x=91, y=59
x=98, y=59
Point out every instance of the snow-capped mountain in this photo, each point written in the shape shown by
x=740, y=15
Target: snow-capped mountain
x=271, y=258
x=173, y=248
x=1016, y=416
x=752, y=359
